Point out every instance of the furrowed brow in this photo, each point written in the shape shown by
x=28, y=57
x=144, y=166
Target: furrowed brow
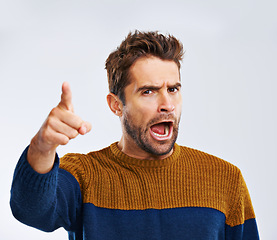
x=177, y=85
x=148, y=87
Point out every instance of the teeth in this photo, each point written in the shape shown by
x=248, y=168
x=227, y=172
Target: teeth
x=166, y=131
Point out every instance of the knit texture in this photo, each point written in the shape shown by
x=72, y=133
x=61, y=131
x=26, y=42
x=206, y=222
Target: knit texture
x=109, y=195
x=188, y=178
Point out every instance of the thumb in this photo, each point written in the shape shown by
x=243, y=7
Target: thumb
x=85, y=128
x=66, y=97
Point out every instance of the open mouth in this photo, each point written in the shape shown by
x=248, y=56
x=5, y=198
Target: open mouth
x=162, y=130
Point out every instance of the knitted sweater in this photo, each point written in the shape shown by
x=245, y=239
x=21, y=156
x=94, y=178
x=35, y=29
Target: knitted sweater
x=109, y=195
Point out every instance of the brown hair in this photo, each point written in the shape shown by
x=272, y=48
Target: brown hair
x=136, y=45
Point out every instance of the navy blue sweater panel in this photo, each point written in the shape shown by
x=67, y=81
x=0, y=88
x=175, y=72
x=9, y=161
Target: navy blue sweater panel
x=46, y=201
x=53, y=200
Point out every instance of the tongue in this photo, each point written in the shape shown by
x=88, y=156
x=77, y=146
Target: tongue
x=159, y=128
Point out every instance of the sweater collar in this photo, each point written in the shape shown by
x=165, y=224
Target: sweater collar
x=121, y=157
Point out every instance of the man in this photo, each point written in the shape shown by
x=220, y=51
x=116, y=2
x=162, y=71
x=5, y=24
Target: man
x=143, y=187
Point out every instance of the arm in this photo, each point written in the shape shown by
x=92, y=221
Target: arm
x=43, y=195
x=45, y=201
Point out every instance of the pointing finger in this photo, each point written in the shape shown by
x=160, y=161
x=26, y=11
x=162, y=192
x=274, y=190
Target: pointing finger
x=66, y=97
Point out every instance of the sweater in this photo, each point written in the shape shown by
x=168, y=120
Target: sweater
x=108, y=195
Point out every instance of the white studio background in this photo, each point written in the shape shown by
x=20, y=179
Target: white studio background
x=228, y=74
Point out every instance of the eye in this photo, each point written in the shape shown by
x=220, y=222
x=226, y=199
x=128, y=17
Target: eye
x=147, y=92
x=173, y=89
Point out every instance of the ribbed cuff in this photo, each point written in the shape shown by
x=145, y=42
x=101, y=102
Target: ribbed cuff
x=29, y=178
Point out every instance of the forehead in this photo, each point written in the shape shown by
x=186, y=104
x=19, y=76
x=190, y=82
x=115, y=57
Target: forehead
x=154, y=71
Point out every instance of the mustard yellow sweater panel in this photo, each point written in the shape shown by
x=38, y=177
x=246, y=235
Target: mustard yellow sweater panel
x=188, y=178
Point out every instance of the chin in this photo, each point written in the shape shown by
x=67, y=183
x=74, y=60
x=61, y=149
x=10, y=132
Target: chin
x=158, y=149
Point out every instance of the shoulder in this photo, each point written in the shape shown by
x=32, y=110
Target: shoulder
x=221, y=176
x=83, y=166
x=222, y=180
x=205, y=160
x=80, y=161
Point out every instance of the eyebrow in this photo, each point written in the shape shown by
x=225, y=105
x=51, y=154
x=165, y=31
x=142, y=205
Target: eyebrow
x=155, y=88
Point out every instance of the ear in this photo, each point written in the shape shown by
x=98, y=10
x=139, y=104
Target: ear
x=115, y=104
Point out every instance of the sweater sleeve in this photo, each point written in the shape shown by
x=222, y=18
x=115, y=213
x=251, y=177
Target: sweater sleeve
x=241, y=222
x=45, y=201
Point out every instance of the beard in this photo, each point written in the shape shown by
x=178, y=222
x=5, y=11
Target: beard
x=143, y=139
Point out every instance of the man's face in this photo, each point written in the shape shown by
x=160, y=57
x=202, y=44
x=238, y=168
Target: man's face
x=152, y=110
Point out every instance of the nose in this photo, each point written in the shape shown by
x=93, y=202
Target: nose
x=165, y=104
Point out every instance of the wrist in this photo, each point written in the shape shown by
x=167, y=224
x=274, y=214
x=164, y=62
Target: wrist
x=40, y=159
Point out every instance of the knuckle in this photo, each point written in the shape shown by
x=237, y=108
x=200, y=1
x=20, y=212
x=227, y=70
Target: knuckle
x=53, y=112
x=50, y=122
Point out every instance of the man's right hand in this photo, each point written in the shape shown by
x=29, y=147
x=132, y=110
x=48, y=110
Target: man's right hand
x=60, y=126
